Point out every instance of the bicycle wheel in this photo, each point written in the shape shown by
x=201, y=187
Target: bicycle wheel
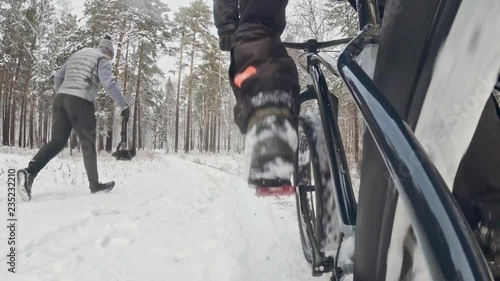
x=313, y=172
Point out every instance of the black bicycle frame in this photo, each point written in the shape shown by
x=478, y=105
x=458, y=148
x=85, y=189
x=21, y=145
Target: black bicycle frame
x=346, y=201
x=447, y=242
x=328, y=107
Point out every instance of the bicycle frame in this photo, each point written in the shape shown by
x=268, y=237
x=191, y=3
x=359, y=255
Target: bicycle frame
x=439, y=225
x=446, y=240
x=345, y=200
x=344, y=195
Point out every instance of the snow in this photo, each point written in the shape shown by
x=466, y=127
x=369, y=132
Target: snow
x=226, y=162
x=346, y=255
x=349, y=277
x=278, y=168
x=167, y=219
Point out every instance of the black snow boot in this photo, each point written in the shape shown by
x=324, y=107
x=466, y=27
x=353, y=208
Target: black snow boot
x=102, y=187
x=270, y=146
x=25, y=179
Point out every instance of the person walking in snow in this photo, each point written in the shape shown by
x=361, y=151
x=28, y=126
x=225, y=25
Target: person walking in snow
x=76, y=86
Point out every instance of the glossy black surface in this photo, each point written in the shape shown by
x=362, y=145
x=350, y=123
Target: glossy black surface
x=337, y=160
x=447, y=242
x=313, y=45
x=368, y=13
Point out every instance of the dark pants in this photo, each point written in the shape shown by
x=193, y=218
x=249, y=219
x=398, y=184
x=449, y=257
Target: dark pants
x=477, y=183
x=257, y=45
x=70, y=112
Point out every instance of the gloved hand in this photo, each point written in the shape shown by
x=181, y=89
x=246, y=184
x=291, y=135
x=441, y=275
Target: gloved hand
x=126, y=114
x=226, y=41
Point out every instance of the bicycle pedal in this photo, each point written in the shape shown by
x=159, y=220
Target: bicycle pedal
x=266, y=191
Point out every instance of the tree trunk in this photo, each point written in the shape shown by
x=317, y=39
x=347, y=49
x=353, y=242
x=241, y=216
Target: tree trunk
x=45, y=127
x=13, y=123
x=11, y=109
x=190, y=91
x=22, y=121
x=6, y=118
x=218, y=133
x=229, y=138
x=219, y=107
x=14, y=104
x=125, y=80
x=73, y=141
x=20, y=135
x=136, y=103
x=198, y=141
x=3, y=97
x=155, y=135
x=100, y=145
x=2, y=77
x=139, y=124
x=212, y=133
x=40, y=122
x=31, y=128
x=206, y=133
x=110, y=108
x=177, y=105
x=214, y=149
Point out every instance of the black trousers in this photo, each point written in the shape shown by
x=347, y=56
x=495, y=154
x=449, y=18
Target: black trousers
x=477, y=183
x=260, y=62
x=70, y=112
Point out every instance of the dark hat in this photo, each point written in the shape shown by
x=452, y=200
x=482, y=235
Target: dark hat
x=107, y=45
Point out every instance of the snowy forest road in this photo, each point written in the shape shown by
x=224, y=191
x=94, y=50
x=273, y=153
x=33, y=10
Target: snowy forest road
x=166, y=219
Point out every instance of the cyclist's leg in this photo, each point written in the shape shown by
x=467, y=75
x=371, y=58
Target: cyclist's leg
x=257, y=45
x=265, y=82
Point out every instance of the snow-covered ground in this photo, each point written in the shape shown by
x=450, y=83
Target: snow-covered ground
x=230, y=163
x=167, y=219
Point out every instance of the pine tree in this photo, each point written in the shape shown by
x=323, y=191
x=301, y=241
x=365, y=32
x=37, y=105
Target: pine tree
x=196, y=20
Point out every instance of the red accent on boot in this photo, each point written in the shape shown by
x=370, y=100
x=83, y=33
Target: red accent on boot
x=265, y=191
x=247, y=73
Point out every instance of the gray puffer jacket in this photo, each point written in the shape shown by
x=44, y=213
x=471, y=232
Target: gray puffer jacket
x=83, y=74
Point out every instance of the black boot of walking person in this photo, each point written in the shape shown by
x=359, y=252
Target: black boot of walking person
x=25, y=179
x=102, y=187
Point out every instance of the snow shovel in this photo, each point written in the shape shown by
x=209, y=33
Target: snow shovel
x=121, y=152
